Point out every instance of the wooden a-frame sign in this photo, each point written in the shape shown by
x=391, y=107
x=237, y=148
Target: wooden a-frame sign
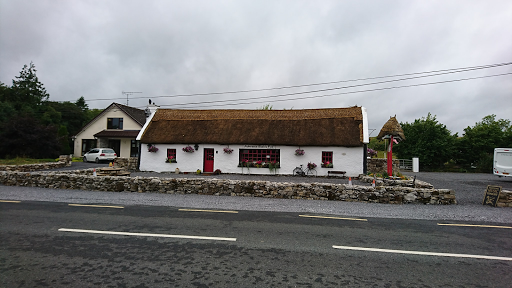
x=492, y=194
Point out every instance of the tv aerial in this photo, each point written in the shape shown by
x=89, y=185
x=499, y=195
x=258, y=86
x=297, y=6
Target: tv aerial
x=128, y=94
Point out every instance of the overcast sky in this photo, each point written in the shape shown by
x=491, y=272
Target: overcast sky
x=98, y=49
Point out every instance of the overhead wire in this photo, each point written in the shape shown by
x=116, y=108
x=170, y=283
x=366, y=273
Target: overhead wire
x=350, y=92
x=305, y=92
x=444, y=71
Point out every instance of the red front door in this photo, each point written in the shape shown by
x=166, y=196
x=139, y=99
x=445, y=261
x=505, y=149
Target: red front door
x=208, y=160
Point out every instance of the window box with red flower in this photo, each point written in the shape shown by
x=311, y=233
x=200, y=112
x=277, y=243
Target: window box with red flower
x=327, y=164
x=171, y=159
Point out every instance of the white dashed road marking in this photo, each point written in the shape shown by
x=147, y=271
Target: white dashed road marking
x=211, y=211
x=96, y=206
x=423, y=253
x=474, y=225
x=329, y=217
x=145, y=234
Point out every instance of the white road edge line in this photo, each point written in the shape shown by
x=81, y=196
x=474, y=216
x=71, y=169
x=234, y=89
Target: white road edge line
x=338, y=218
x=145, y=234
x=423, y=253
x=10, y=201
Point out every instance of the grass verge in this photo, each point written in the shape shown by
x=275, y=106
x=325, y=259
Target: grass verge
x=21, y=161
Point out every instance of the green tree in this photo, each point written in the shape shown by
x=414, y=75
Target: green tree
x=72, y=116
x=427, y=139
x=7, y=109
x=27, y=90
x=24, y=136
x=91, y=113
x=29, y=123
x=377, y=144
x=475, y=149
x=80, y=103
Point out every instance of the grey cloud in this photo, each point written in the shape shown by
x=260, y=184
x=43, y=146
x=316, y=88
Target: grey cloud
x=99, y=48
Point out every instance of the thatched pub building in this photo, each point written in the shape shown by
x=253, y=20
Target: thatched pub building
x=255, y=141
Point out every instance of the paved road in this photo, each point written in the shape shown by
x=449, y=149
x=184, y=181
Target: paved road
x=263, y=249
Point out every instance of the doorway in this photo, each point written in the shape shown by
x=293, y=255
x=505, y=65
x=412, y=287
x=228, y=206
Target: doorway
x=208, y=160
x=116, y=145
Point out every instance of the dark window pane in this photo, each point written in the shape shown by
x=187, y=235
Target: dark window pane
x=327, y=159
x=263, y=155
x=114, y=123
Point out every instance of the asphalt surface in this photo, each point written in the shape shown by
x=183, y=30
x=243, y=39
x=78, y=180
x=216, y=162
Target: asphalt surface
x=469, y=189
x=48, y=244
x=274, y=247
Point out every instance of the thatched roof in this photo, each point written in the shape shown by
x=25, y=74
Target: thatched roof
x=392, y=127
x=311, y=127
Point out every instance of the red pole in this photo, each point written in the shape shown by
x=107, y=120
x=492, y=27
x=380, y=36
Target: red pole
x=390, y=157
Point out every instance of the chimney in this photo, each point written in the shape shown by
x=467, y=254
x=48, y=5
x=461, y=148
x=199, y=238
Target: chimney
x=150, y=109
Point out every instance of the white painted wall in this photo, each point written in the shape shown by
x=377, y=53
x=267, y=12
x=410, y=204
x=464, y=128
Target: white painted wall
x=100, y=124
x=349, y=159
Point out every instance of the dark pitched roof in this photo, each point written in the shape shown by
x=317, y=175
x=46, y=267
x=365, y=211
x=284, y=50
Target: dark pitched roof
x=309, y=127
x=118, y=133
x=136, y=114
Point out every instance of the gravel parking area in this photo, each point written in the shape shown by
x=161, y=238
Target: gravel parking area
x=469, y=187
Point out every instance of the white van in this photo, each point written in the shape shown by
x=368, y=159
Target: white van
x=502, y=162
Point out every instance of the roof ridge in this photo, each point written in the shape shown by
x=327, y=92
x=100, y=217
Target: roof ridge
x=138, y=115
x=226, y=114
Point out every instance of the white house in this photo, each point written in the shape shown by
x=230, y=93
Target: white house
x=333, y=139
x=115, y=127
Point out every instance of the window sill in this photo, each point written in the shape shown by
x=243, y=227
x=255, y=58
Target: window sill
x=262, y=167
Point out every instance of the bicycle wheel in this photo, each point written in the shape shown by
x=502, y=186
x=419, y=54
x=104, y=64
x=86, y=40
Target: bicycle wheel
x=311, y=172
x=297, y=171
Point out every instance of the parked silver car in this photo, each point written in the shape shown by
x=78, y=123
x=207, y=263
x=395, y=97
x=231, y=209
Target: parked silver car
x=100, y=154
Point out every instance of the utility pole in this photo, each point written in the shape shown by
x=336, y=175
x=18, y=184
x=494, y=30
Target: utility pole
x=127, y=94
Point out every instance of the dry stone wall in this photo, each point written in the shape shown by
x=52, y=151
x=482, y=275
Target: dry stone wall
x=379, y=165
x=127, y=163
x=505, y=199
x=210, y=186
x=64, y=161
x=411, y=182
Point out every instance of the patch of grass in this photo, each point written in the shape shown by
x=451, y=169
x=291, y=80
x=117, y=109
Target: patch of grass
x=77, y=159
x=21, y=161
x=381, y=154
x=385, y=175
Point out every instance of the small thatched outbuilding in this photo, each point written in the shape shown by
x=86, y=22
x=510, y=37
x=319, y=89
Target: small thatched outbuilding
x=392, y=128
